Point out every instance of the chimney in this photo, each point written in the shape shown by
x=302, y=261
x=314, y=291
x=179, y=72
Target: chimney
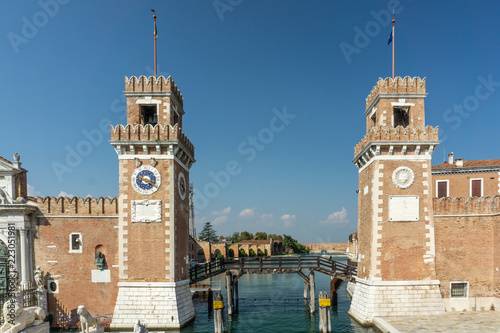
x=460, y=162
x=450, y=158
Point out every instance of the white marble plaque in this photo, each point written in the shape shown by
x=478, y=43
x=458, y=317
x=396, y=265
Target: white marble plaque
x=101, y=276
x=146, y=210
x=404, y=208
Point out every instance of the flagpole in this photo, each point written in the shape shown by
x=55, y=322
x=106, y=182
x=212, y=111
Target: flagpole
x=154, y=36
x=393, y=42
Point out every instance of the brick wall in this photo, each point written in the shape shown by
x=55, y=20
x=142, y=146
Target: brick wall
x=317, y=247
x=73, y=271
x=459, y=184
x=467, y=237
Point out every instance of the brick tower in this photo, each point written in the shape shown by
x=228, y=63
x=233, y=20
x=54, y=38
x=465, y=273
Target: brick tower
x=154, y=161
x=396, y=267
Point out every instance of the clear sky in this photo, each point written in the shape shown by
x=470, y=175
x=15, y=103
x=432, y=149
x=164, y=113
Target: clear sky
x=277, y=86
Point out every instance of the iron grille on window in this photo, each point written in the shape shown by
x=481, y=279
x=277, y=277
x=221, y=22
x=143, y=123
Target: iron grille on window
x=459, y=289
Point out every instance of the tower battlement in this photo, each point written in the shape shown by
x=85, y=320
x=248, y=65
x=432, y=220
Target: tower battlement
x=397, y=85
x=151, y=133
x=153, y=84
x=466, y=206
x=400, y=133
x=78, y=206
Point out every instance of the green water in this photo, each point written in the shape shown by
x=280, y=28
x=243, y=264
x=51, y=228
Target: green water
x=274, y=303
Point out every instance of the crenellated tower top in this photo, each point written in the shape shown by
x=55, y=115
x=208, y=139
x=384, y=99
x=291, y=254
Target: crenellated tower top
x=153, y=100
x=152, y=84
x=406, y=85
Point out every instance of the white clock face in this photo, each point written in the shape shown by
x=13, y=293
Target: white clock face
x=403, y=177
x=146, y=179
x=181, y=185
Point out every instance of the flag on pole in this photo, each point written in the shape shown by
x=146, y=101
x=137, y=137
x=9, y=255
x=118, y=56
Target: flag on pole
x=156, y=32
x=390, y=39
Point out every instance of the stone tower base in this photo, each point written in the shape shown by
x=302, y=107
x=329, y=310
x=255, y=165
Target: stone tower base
x=394, y=298
x=159, y=305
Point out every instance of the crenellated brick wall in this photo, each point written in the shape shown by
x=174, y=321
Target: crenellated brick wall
x=397, y=85
x=78, y=206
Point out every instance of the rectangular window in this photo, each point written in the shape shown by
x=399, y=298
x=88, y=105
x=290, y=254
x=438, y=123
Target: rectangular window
x=75, y=242
x=476, y=187
x=442, y=188
x=401, y=117
x=459, y=289
x=149, y=115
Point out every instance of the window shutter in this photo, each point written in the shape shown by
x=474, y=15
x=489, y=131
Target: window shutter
x=442, y=189
x=476, y=188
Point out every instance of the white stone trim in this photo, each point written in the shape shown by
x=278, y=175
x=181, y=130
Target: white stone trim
x=79, y=216
x=122, y=236
x=153, y=284
x=470, y=186
x=148, y=100
x=467, y=215
x=414, y=158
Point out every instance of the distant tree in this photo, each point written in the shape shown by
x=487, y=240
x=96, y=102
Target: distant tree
x=290, y=244
x=230, y=253
x=208, y=233
x=245, y=235
x=251, y=253
x=260, y=253
x=242, y=253
x=275, y=237
x=261, y=235
x=235, y=238
x=266, y=253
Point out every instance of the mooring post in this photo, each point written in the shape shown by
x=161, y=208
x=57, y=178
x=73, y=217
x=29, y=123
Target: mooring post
x=312, y=293
x=325, y=324
x=210, y=300
x=333, y=291
x=236, y=296
x=229, y=288
x=219, y=317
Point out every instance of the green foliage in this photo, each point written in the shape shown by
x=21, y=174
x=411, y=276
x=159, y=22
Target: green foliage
x=260, y=253
x=230, y=253
x=235, y=237
x=251, y=253
x=290, y=244
x=261, y=235
x=245, y=235
x=266, y=253
x=242, y=253
x=275, y=237
x=219, y=256
x=208, y=233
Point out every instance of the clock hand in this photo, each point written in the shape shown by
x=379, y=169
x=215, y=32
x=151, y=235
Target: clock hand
x=147, y=180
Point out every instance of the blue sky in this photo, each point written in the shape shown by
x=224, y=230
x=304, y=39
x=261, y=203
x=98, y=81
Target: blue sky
x=277, y=87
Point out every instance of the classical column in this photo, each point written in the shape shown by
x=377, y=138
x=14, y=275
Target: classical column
x=24, y=259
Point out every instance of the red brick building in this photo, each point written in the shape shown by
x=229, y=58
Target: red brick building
x=418, y=254
x=124, y=258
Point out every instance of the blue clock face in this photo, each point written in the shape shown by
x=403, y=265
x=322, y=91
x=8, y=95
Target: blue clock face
x=146, y=179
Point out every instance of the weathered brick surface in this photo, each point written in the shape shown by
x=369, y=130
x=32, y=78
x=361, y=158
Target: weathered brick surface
x=74, y=270
x=459, y=184
x=467, y=237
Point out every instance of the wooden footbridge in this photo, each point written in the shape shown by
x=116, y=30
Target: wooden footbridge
x=273, y=265
x=235, y=268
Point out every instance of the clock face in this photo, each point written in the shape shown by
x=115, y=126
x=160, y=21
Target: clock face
x=403, y=177
x=146, y=179
x=181, y=185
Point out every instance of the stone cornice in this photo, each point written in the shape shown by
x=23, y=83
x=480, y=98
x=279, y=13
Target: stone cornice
x=463, y=170
x=394, y=96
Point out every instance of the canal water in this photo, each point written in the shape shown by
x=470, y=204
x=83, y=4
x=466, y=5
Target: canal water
x=274, y=303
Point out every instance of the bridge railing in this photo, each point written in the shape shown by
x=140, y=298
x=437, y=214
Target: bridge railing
x=271, y=265
x=206, y=270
